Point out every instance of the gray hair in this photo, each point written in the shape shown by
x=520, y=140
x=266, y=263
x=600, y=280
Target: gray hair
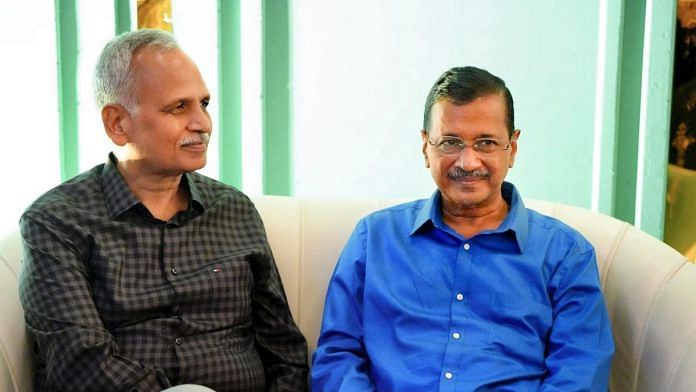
x=113, y=77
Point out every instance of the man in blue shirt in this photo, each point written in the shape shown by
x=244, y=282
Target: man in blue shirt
x=467, y=290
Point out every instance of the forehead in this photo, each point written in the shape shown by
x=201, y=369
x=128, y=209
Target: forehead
x=166, y=72
x=484, y=115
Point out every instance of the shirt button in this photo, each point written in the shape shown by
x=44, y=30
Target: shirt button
x=466, y=246
x=178, y=341
x=455, y=335
x=449, y=375
x=460, y=297
x=174, y=271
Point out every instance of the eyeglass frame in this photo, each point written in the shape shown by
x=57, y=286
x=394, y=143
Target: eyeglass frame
x=463, y=144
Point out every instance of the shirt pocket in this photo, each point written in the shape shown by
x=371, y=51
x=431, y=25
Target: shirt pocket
x=519, y=325
x=230, y=283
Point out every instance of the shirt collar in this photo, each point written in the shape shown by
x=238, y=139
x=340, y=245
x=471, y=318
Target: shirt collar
x=119, y=198
x=516, y=221
x=197, y=199
x=429, y=213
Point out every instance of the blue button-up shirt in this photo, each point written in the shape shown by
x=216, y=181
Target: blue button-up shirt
x=414, y=306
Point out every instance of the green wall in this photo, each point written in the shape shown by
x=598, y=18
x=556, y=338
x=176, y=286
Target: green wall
x=596, y=119
x=277, y=103
x=631, y=56
x=67, y=44
x=624, y=175
x=229, y=87
x=653, y=130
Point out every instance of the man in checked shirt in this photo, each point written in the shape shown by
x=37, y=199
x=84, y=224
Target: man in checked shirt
x=141, y=274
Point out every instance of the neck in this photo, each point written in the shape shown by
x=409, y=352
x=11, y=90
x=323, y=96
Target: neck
x=162, y=195
x=469, y=221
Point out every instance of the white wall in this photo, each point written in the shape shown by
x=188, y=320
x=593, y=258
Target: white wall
x=195, y=27
x=95, y=28
x=28, y=108
x=30, y=160
x=362, y=70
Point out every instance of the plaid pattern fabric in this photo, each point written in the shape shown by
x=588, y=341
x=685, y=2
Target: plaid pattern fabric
x=118, y=300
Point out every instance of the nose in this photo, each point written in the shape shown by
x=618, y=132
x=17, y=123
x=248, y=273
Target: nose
x=468, y=159
x=199, y=120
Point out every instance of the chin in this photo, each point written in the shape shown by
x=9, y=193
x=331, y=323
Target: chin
x=195, y=165
x=466, y=198
x=468, y=202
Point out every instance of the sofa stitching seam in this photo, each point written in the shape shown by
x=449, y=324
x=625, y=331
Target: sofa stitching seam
x=646, y=322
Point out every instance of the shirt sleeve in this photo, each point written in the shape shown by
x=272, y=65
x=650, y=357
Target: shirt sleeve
x=341, y=362
x=580, y=345
x=75, y=350
x=280, y=343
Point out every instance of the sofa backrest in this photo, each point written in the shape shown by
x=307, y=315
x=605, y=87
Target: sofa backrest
x=306, y=236
x=15, y=360
x=649, y=288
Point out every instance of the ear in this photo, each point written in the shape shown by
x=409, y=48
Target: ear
x=424, y=148
x=116, y=120
x=513, y=146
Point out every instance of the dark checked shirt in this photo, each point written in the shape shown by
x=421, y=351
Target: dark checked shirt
x=118, y=300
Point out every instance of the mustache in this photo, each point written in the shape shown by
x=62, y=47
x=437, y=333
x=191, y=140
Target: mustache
x=196, y=138
x=457, y=173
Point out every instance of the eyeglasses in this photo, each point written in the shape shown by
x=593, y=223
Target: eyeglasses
x=485, y=147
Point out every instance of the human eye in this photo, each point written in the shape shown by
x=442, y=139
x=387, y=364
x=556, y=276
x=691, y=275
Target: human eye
x=486, y=145
x=205, y=103
x=178, y=107
x=450, y=144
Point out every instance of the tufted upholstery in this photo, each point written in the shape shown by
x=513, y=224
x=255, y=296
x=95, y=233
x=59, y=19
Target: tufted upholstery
x=650, y=289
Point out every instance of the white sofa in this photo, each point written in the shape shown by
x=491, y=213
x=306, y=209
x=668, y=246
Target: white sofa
x=650, y=289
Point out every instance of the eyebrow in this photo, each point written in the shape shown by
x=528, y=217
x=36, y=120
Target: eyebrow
x=483, y=134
